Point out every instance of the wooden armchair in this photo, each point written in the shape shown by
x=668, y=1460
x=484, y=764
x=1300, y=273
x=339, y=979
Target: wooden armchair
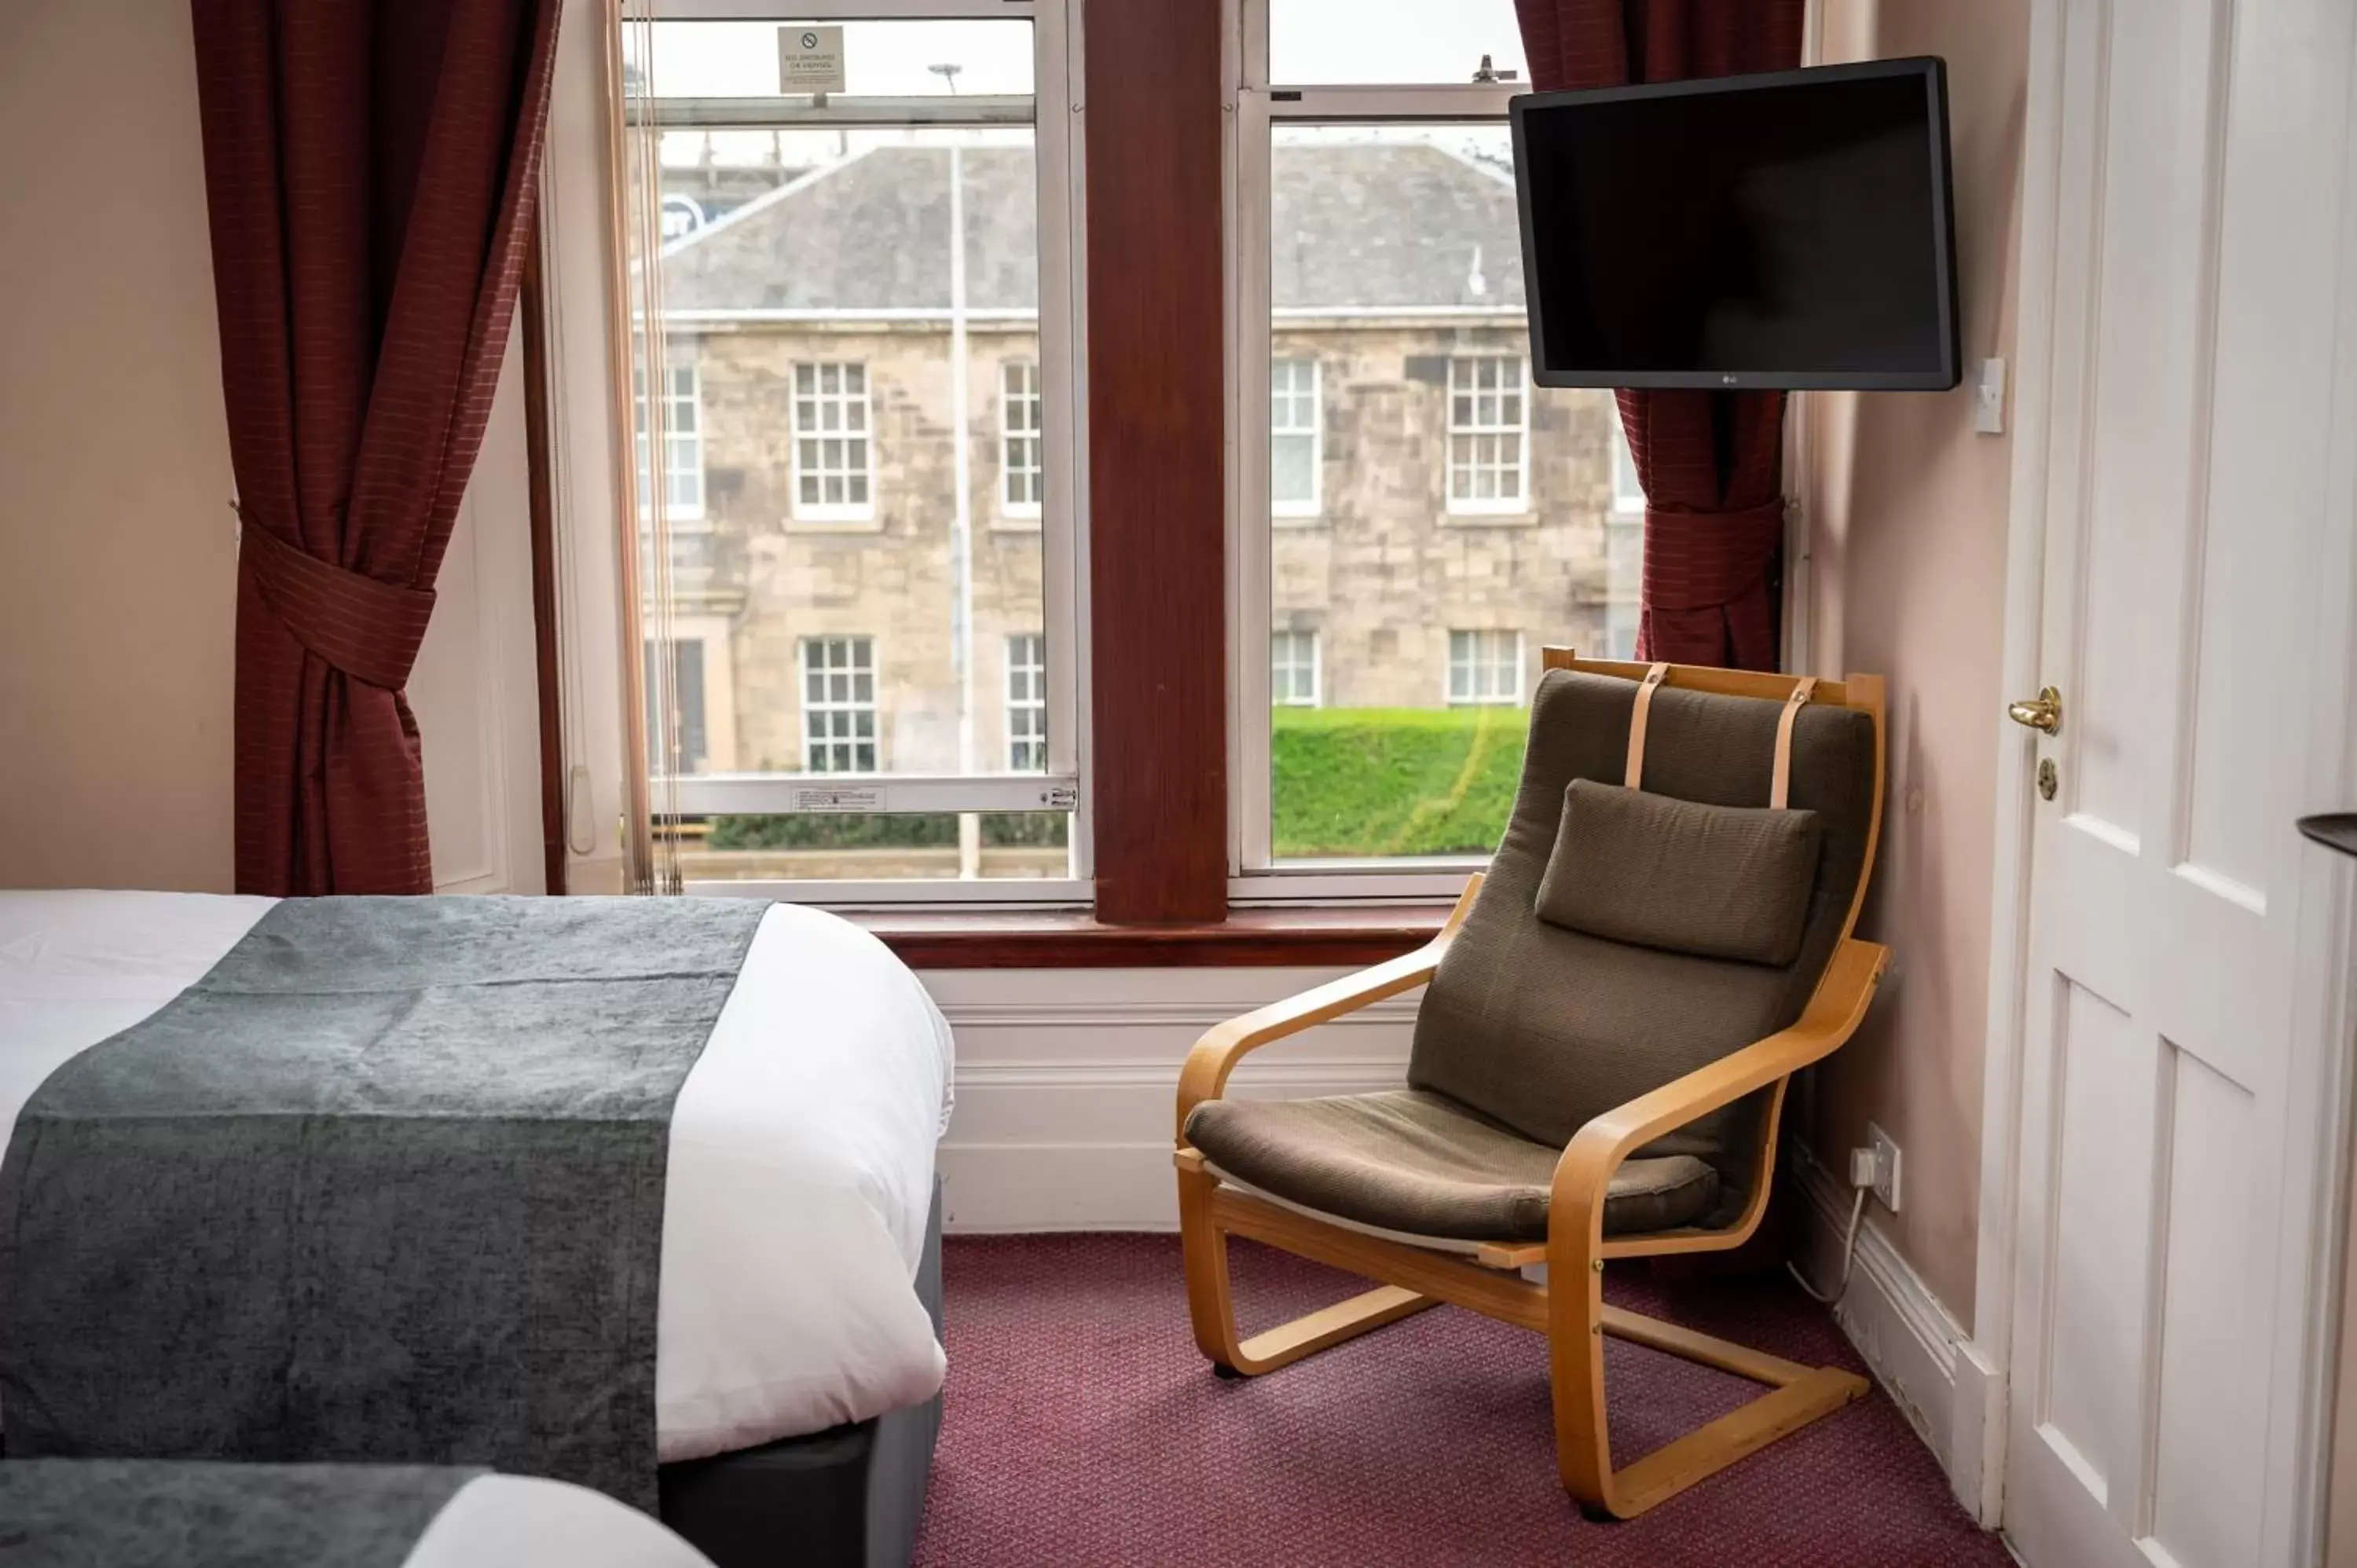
x=1539, y=1126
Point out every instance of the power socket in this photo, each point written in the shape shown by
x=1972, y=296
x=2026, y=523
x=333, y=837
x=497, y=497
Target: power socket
x=1876, y=1166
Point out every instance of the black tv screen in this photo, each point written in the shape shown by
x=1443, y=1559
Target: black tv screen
x=1787, y=230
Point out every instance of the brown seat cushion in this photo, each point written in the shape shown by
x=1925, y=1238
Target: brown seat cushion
x=1410, y=1161
x=1543, y=1029
x=1718, y=880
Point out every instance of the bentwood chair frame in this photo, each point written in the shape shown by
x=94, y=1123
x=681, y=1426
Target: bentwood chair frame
x=1568, y=1306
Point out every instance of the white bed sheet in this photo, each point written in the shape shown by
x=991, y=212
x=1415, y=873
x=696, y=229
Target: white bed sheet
x=801, y=1148
x=521, y=1522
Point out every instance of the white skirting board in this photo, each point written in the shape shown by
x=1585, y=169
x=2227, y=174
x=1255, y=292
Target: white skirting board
x=1948, y=1389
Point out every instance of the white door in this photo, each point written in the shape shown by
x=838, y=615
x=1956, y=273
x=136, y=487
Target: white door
x=2188, y=297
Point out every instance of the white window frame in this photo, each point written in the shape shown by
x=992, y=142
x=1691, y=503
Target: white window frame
x=1313, y=504
x=1059, y=122
x=1027, y=437
x=653, y=425
x=827, y=705
x=842, y=397
x=1027, y=698
x=1253, y=109
x=1508, y=699
x=1316, y=666
x=1519, y=503
x=1628, y=490
x=1624, y=537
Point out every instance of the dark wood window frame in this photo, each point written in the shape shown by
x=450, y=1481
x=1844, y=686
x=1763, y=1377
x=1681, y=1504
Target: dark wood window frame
x=1157, y=588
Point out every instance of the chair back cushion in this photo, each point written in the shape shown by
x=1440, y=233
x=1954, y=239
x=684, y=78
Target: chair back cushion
x=1543, y=1027
x=1718, y=880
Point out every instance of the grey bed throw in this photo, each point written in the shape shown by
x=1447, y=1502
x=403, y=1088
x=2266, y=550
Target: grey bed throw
x=109, y=1513
x=386, y=1185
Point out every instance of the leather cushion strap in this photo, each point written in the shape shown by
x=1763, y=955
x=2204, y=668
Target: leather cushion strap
x=369, y=629
x=1780, y=782
x=1635, y=777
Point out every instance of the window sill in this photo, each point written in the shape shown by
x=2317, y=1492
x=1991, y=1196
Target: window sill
x=1327, y=938
x=1490, y=520
x=854, y=523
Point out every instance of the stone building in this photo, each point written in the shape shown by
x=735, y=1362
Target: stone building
x=1435, y=518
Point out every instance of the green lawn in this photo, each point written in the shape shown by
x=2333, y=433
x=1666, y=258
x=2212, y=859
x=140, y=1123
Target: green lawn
x=1394, y=781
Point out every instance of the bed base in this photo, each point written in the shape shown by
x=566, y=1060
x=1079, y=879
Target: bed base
x=850, y=1497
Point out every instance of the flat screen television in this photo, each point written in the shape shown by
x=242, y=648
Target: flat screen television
x=1790, y=230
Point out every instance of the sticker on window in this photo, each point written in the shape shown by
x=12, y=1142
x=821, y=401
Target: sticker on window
x=809, y=60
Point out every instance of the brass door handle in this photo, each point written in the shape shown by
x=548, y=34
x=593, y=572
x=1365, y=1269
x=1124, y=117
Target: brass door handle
x=2043, y=712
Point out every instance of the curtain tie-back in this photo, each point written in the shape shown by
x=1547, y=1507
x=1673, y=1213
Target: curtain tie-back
x=1701, y=560
x=370, y=630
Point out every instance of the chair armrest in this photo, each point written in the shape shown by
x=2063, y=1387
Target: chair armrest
x=1839, y=1002
x=1215, y=1056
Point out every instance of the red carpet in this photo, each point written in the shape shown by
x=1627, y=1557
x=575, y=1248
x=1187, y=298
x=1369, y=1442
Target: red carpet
x=1084, y=1430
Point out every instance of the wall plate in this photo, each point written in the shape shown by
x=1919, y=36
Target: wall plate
x=1885, y=1166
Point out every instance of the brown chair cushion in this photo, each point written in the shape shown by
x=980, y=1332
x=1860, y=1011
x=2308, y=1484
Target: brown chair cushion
x=1718, y=881
x=1542, y=1029
x=1405, y=1160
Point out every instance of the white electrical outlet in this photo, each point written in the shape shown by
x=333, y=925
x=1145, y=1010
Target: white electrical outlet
x=1885, y=1166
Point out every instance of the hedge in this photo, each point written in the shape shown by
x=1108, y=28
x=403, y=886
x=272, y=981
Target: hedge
x=1392, y=780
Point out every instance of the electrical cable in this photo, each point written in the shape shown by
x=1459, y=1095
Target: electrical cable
x=1849, y=1255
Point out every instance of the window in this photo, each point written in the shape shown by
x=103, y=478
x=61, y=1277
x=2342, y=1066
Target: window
x=1485, y=667
x=1293, y=669
x=839, y=704
x=1027, y=703
x=1488, y=432
x=1383, y=42
x=885, y=277
x=688, y=747
x=831, y=441
x=1377, y=287
x=1019, y=439
x=683, y=441
x=1293, y=437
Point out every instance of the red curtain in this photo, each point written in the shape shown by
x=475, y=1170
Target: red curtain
x=370, y=168
x=1711, y=462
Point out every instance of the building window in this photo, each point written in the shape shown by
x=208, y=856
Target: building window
x=1485, y=668
x=833, y=478
x=1019, y=431
x=677, y=708
x=1027, y=703
x=1488, y=433
x=839, y=704
x=1293, y=669
x=682, y=442
x=1294, y=446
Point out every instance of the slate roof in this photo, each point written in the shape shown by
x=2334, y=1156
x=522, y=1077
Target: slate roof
x=1378, y=225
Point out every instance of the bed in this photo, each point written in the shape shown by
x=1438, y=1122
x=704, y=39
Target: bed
x=159, y=1514
x=798, y=1363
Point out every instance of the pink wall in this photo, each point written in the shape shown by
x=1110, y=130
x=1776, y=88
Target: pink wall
x=117, y=560
x=1909, y=529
